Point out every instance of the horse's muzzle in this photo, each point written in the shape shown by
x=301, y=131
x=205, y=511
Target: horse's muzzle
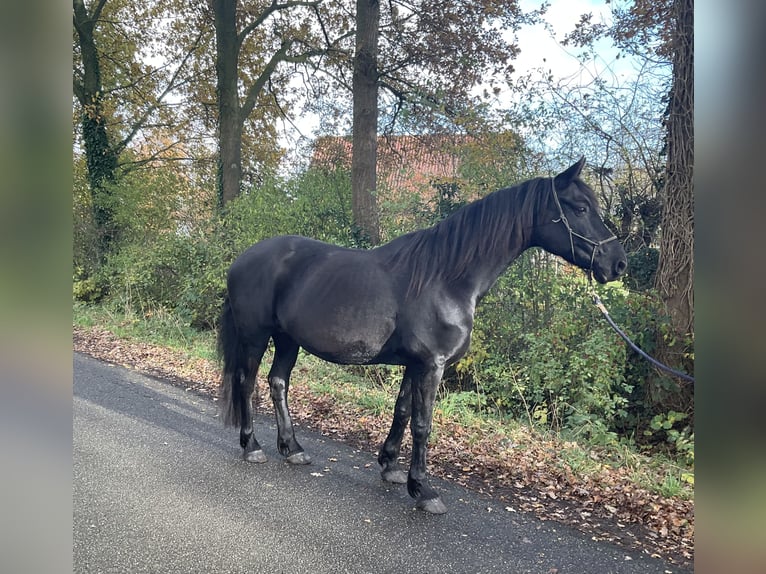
x=612, y=270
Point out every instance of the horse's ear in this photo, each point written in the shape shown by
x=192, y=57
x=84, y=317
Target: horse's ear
x=567, y=176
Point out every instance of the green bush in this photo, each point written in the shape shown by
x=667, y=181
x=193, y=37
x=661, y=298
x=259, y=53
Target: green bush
x=642, y=268
x=85, y=239
x=175, y=272
x=541, y=351
x=315, y=204
x=678, y=436
x=158, y=263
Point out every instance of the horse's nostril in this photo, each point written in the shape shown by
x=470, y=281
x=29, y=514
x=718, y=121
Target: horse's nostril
x=621, y=266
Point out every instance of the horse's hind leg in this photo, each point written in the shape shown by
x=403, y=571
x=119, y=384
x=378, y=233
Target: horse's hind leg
x=388, y=458
x=285, y=355
x=252, y=450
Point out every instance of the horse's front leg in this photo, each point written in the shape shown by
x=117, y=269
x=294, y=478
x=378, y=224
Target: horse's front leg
x=388, y=458
x=423, y=397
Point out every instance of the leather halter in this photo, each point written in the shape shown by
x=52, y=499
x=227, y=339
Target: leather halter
x=572, y=233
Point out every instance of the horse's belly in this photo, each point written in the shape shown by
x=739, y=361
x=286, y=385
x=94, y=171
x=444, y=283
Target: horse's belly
x=341, y=333
x=357, y=353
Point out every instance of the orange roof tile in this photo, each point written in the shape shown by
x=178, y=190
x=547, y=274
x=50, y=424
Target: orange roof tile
x=405, y=163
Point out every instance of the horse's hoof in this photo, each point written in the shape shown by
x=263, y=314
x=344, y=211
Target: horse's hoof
x=255, y=456
x=432, y=506
x=395, y=476
x=299, y=458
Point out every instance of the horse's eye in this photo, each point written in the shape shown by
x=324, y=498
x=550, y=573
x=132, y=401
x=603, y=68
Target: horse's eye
x=581, y=210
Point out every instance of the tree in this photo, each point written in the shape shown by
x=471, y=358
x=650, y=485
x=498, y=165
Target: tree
x=435, y=53
x=426, y=56
x=119, y=95
x=229, y=124
x=365, y=123
x=289, y=32
x=675, y=274
x=101, y=156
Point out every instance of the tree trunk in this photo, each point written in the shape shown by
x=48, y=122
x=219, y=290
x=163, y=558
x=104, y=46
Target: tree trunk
x=365, y=123
x=675, y=273
x=229, y=124
x=100, y=157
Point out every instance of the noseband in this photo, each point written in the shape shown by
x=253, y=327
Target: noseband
x=572, y=233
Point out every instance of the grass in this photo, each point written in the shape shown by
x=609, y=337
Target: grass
x=364, y=387
x=156, y=326
x=374, y=389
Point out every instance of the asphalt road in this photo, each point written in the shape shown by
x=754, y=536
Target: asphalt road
x=159, y=486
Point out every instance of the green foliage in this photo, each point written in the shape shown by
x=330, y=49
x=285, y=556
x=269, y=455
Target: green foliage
x=493, y=161
x=642, y=268
x=679, y=438
x=85, y=245
x=159, y=263
x=462, y=401
x=542, y=352
x=315, y=204
x=571, y=366
x=86, y=288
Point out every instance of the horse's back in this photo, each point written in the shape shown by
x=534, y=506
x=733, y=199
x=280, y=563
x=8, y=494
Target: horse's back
x=278, y=247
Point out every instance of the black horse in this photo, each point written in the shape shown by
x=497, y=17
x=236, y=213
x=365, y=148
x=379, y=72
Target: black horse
x=409, y=302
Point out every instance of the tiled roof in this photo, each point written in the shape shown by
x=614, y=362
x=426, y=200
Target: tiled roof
x=405, y=163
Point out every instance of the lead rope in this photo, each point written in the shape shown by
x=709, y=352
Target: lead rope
x=636, y=348
x=597, y=300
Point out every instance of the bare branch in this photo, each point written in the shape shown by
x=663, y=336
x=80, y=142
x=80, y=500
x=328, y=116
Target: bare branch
x=255, y=89
x=273, y=7
x=97, y=10
x=134, y=165
x=138, y=124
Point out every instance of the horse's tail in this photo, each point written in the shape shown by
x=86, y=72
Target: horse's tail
x=232, y=356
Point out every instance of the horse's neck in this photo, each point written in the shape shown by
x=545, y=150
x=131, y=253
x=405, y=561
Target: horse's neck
x=480, y=279
x=469, y=250
x=503, y=238
x=479, y=275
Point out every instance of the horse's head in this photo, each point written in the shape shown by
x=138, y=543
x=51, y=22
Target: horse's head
x=571, y=227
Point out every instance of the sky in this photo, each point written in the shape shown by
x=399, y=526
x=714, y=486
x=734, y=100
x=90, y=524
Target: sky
x=538, y=48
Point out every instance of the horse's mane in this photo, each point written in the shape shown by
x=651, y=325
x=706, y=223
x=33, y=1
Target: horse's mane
x=488, y=228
